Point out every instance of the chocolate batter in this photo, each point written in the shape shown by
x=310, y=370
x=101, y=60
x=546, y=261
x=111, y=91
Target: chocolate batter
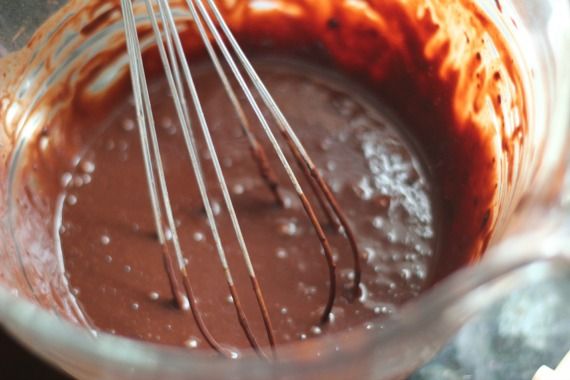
x=393, y=124
x=114, y=261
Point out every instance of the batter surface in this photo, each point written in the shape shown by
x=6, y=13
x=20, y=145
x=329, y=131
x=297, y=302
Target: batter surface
x=114, y=260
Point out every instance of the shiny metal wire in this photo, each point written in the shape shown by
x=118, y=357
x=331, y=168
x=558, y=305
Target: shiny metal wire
x=209, y=21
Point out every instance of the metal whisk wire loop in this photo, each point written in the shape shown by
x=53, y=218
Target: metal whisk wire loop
x=213, y=29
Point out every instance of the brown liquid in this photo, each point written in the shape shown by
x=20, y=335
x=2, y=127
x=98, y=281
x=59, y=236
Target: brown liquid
x=394, y=128
x=114, y=260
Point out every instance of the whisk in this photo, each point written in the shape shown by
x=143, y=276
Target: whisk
x=214, y=32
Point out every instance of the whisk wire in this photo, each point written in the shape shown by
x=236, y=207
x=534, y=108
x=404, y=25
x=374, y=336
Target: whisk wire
x=142, y=104
x=280, y=154
x=231, y=210
x=180, y=80
x=137, y=72
x=179, y=99
x=286, y=130
x=219, y=174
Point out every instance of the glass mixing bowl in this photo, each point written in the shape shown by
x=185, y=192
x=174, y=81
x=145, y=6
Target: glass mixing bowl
x=530, y=242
